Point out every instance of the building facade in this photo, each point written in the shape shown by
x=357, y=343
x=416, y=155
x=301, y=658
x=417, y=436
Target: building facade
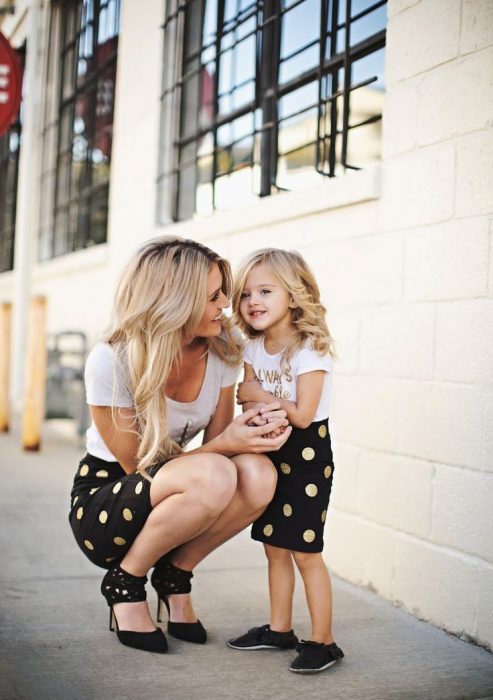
x=365, y=142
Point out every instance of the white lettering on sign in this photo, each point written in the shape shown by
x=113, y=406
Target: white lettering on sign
x=4, y=82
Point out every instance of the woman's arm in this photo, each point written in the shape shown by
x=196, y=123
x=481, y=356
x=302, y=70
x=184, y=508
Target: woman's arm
x=301, y=412
x=116, y=435
x=223, y=414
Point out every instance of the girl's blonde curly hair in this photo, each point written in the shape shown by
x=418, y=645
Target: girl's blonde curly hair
x=307, y=316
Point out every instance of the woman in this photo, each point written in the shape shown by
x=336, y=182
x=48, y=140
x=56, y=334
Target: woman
x=166, y=371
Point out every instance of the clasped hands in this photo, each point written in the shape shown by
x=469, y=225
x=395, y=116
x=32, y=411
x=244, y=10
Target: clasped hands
x=250, y=395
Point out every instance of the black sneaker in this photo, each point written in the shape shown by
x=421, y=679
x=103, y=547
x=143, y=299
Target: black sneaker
x=264, y=638
x=314, y=657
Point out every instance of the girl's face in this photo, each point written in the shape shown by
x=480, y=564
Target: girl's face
x=264, y=303
x=210, y=325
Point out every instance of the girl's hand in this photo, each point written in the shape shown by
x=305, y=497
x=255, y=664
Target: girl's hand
x=251, y=390
x=239, y=437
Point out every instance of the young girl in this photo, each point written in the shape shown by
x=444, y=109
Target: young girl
x=277, y=304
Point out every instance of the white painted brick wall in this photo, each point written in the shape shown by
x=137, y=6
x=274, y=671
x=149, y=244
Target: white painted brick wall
x=485, y=608
x=462, y=506
x=443, y=93
x=397, y=340
x=395, y=491
x=477, y=25
x=422, y=37
x=474, y=185
x=464, y=342
x=441, y=422
x=366, y=412
x=418, y=187
x=447, y=261
x=436, y=584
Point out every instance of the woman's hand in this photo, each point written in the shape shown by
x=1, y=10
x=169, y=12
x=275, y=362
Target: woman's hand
x=251, y=390
x=241, y=437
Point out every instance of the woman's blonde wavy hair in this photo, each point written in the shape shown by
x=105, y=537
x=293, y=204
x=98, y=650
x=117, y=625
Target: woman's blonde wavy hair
x=307, y=316
x=159, y=303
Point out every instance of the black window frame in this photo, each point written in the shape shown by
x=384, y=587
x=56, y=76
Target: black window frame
x=75, y=192
x=333, y=122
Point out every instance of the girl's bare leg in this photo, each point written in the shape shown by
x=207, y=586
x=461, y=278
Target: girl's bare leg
x=281, y=587
x=256, y=482
x=187, y=496
x=318, y=591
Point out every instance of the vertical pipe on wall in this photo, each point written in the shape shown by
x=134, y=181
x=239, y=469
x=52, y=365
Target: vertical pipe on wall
x=34, y=401
x=5, y=326
x=27, y=199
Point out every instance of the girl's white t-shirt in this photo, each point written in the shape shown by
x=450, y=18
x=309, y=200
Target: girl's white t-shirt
x=267, y=369
x=107, y=384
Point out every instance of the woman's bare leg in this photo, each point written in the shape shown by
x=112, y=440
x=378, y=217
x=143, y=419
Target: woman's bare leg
x=256, y=484
x=187, y=496
x=281, y=587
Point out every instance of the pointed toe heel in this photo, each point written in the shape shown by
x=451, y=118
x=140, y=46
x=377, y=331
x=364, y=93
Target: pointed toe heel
x=118, y=586
x=168, y=579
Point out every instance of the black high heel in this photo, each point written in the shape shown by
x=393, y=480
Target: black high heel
x=168, y=579
x=118, y=586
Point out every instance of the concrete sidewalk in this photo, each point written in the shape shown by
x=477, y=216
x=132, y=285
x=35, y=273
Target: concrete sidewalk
x=55, y=645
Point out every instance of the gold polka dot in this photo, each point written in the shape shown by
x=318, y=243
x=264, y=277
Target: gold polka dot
x=117, y=487
x=287, y=510
x=268, y=530
x=89, y=545
x=75, y=501
x=324, y=515
x=93, y=490
x=308, y=453
x=308, y=535
x=119, y=540
x=103, y=517
x=285, y=468
x=80, y=513
x=108, y=559
x=322, y=431
x=139, y=487
x=311, y=490
x=102, y=473
x=84, y=470
x=327, y=472
x=127, y=514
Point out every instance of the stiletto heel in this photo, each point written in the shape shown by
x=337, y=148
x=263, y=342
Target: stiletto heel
x=168, y=579
x=118, y=586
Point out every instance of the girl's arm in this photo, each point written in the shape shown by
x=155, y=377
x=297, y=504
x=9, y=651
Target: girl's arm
x=121, y=439
x=301, y=412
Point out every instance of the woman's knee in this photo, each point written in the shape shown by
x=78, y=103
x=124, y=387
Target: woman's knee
x=214, y=482
x=257, y=479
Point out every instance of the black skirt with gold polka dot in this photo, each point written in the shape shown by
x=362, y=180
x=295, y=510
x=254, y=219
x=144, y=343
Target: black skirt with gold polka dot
x=108, y=509
x=295, y=518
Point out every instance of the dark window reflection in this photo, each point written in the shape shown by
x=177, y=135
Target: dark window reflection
x=76, y=182
x=272, y=95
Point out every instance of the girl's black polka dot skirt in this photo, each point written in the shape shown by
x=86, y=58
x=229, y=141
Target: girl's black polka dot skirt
x=296, y=516
x=108, y=509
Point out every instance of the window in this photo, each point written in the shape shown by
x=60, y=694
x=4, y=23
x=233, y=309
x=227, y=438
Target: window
x=78, y=125
x=9, y=169
x=266, y=96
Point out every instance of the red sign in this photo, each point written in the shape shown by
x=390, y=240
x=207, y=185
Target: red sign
x=10, y=85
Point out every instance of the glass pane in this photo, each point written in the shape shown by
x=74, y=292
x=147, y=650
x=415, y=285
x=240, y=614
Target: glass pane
x=300, y=26
x=368, y=25
x=364, y=144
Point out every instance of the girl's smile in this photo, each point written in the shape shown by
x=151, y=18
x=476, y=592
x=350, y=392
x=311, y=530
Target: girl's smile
x=265, y=304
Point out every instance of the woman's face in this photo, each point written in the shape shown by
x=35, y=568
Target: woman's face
x=210, y=325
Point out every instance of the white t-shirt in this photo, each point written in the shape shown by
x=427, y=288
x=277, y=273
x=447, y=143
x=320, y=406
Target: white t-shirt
x=185, y=420
x=267, y=369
